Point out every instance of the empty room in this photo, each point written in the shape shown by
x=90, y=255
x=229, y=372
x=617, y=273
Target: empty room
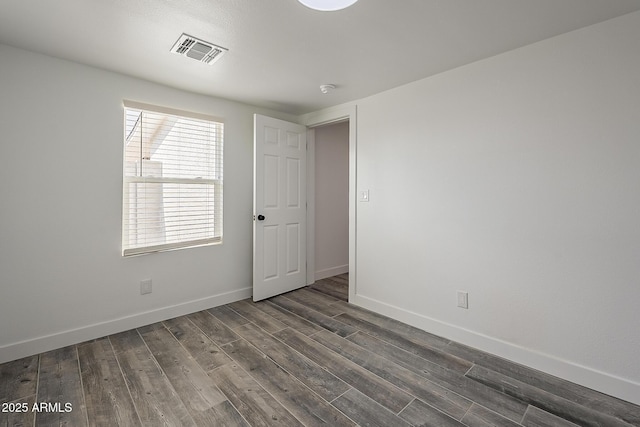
x=330, y=212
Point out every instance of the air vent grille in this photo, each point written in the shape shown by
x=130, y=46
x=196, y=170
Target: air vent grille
x=197, y=49
x=185, y=45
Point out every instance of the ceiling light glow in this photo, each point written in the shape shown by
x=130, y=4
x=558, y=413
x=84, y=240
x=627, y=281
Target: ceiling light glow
x=327, y=5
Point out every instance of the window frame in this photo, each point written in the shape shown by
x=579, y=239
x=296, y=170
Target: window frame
x=216, y=184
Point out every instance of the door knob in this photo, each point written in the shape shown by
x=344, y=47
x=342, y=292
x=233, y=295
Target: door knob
x=261, y=218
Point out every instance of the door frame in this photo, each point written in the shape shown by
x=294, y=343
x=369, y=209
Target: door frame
x=319, y=118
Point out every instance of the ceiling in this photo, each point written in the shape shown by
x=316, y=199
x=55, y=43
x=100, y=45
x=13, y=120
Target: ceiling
x=280, y=52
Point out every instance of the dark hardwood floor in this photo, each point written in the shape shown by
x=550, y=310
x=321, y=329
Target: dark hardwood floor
x=336, y=286
x=305, y=358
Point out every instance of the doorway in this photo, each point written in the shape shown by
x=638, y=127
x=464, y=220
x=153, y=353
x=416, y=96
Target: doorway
x=346, y=117
x=331, y=208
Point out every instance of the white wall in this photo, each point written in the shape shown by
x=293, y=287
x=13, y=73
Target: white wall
x=331, y=200
x=62, y=278
x=516, y=179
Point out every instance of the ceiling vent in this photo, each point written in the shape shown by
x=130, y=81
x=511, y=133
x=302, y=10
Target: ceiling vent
x=197, y=49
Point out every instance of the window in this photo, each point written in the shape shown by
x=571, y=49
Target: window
x=172, y=186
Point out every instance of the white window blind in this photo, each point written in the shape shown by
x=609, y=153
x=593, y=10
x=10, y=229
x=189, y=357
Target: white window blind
x=172, y=185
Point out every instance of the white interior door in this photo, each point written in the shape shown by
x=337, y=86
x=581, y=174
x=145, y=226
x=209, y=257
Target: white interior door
x=279, y=207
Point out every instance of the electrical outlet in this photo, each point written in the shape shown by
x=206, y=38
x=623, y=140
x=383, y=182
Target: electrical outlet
x=463, y=299
x=146, y=287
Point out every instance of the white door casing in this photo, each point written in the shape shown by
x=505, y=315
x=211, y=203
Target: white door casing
x=319, y=118
x=279, y=207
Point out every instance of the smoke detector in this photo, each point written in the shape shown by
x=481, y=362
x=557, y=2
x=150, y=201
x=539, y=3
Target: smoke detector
x=197, y=49
x=326, y=88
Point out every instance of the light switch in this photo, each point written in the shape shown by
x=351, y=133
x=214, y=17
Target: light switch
x=363, y=195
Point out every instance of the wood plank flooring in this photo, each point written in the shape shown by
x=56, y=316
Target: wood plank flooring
x=306, y=358
x=336, y=286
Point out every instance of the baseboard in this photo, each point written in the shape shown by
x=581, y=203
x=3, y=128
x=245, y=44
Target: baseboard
x=601, y=381
x=74, y=336
x=330, y=272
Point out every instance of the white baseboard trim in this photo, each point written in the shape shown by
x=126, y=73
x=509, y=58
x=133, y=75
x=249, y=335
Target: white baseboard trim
x=601, y=381
x=330, y=272
x=38, y=345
